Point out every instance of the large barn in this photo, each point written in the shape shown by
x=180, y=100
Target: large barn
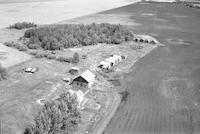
x=83, y=81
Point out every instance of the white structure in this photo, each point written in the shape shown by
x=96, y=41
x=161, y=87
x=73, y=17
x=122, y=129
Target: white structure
x=111, y=60
x=84, y=81
x=30, y=70
x=105, y=65
x=117, y=57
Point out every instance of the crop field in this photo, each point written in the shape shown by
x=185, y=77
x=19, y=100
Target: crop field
x=163, y=86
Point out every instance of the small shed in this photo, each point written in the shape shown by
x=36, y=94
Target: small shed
x=84, y=81
x=105, y=65
x=117, y=57
x=111, y=60
x=73, y=70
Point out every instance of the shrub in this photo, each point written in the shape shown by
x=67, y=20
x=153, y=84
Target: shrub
x=51, y=56
x=75, y=58
x=9, y=44
x=3, y=73
x=40, y=55
x=33, y=53
x=63, y=59
x=33, y=46
x=22, y=48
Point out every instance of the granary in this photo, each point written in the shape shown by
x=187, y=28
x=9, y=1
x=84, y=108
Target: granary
x=117, y=57
x=105, y=65
x=111, y=60
x=83, y=81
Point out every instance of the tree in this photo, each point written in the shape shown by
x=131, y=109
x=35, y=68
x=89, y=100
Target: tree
x=60, y=116
x=75, y=58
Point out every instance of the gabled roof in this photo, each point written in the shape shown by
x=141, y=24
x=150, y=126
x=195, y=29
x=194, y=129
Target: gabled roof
x=110, y=60
x=117, y=56
x=87, y=76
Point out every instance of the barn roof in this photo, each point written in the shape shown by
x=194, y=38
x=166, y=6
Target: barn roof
x=87, y=76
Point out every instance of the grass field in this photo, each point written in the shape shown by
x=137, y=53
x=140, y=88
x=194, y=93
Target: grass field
x=10, y=56
x=19, y=93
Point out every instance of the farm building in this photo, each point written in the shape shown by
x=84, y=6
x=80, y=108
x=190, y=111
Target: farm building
x=83, y=81
x=111, y=60
x=105, y=65
x=117, y=58
x=73, y=70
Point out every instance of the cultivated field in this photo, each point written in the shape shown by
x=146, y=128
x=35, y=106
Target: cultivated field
x=164, y=85
x=49, y=12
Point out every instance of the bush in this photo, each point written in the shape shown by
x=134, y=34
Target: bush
x=40, y=55
x=3, y=73
x=22, y=25
x=63, y=59
x=51, y=56
x=33, y=53
x=70, y=35
x=22, y=48
x=75, y=58
x=9, y=44
x=33, y=46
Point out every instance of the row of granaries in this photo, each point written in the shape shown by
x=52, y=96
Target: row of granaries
x=108, y=63
x=143, y=40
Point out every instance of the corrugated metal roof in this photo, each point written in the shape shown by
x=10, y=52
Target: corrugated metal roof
x=117, y=56
x=88, y=75
x=112, y=60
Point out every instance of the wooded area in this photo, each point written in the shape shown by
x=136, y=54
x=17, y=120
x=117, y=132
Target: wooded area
x=56, y=37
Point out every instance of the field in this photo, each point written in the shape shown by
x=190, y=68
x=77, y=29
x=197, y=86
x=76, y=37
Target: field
x=49, y=12
x=21, y=91
x=164, y=85
x=10, y=56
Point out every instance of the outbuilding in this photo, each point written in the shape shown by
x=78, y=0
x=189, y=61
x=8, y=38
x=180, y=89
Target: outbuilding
x=74, y=70
x=105, y=65
x=117, y=57
x=111, y=60
x=84, y=81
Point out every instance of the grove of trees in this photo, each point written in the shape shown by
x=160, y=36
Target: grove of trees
x=56, y=37
x=60, y=116
x=22, y=25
